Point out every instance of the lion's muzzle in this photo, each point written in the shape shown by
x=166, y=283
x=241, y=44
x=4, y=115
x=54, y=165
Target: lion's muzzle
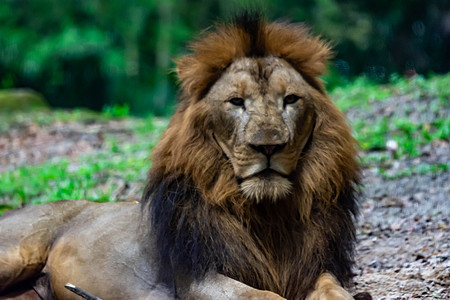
x=268, y=150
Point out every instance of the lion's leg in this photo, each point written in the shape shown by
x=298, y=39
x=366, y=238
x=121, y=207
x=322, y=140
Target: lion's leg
x=219, y=287
x=328, y=288
x=26, y=236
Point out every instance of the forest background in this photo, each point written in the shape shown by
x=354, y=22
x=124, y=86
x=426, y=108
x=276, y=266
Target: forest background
x=114, y=53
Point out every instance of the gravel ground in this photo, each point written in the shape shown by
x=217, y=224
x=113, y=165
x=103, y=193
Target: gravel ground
x=404, y=241
x=30, y=144
x=403, y=236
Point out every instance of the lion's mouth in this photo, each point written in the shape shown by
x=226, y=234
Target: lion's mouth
x=266, y=174
x=265, y=171
x=267, y=184
x=269, y=173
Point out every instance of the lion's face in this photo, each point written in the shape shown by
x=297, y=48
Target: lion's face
x=263, y=116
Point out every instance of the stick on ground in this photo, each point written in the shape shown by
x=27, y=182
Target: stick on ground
x=80, y=292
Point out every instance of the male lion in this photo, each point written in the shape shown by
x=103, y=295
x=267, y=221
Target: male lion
x=251, y=194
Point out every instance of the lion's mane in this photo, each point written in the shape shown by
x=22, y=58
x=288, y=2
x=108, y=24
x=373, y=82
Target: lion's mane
x=201, y=219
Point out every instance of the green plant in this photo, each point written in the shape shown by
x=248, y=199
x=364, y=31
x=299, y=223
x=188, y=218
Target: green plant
x=359, y=93
x=117, y=110
x=419, y=169
x=410, y=132
x=92, y=176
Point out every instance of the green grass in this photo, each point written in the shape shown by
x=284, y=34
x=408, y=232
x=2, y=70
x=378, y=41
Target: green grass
x=409, y=133
x=359, y=93
x=419, y=87
x=419, y=169
x=63, y=179
x=362, y=91
x=43, y=117
x=93, y=176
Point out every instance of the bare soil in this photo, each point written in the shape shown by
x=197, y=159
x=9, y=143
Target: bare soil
x=403, y=236
x=30, y=144
x=403, y=249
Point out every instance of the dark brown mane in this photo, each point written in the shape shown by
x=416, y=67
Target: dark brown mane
x=202, y=221
x=250, y=36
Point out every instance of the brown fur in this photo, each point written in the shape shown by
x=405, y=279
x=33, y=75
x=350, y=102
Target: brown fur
x=282, y=246
x=215, y=50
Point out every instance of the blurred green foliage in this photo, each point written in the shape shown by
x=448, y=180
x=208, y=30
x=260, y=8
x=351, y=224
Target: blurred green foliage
x=113, y=52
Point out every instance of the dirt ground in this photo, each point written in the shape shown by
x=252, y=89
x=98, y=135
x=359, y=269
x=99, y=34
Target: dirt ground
x=403, y=234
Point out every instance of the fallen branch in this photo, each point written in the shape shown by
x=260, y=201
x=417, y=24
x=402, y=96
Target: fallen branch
x=80, y=292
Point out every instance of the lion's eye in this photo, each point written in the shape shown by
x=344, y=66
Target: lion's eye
x=237, y=102
x=291, y=99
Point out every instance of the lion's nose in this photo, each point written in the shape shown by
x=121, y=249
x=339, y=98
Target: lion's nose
x=268, y=150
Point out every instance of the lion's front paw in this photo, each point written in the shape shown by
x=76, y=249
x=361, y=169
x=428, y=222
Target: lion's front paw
x=327, y=288
x=337, y=293
x=261, y=295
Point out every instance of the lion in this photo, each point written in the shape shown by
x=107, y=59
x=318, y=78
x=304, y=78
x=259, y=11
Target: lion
x=252, y=193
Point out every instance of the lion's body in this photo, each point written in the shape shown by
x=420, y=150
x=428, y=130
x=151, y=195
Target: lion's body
x=254, y=179
x=57, y=245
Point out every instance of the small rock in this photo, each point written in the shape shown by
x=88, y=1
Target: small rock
x=363, y=296
x=420, y=257
x=392, y=146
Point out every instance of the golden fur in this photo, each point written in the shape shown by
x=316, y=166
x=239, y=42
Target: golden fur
x=198, y=207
